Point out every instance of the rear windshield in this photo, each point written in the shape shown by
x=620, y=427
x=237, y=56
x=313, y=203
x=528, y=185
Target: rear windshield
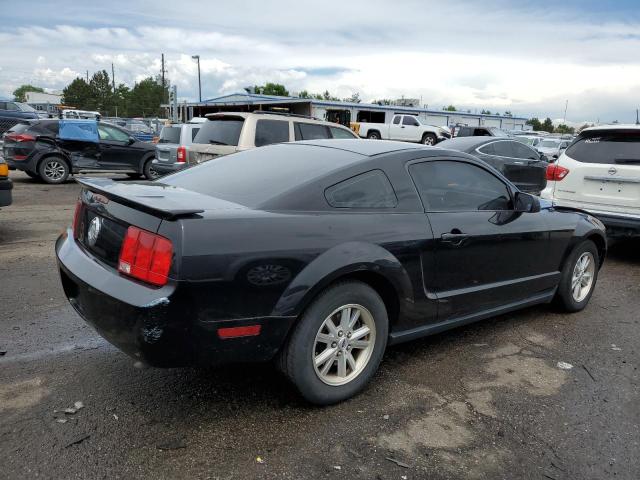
x=252, y=177
x=170, y=135
x=220, y=131
x=607, y=147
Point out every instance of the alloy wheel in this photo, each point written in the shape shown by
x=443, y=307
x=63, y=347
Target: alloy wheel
x=344, y=344
x=583, y=275
x=54, y=170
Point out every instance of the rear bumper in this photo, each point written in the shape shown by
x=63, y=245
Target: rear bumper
x=157, y=326
x=620, y=226
x=5, y=192
x=166, y=168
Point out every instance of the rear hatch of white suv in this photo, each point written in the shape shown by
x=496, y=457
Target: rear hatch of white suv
x=600, y=173
x=219, y=135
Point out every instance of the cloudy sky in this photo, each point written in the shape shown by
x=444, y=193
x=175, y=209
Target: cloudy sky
x=525, y=56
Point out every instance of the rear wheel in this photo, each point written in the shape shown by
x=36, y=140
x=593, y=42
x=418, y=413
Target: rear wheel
x=578, y=277
x=373, y=135
x=429, y=139
x=53, y=170
x=150, y=173
x=338, y=343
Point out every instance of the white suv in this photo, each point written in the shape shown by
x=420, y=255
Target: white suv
x=600, y=173
x=230, y=132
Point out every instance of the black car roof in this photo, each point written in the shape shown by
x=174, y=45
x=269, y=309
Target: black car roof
x=463, y=144
x=367, y=148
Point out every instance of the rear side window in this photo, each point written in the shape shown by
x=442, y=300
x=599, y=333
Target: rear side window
x=194, y=132
x=522, y=151
x=503, y=149
x=271, y=131
x=396, y=120
x=170, y=135
x=340, y=133
x=446, y=186
x=310, y=131
x=367, y=190
x=487, y=149
x=607, y=147
x=220, y=131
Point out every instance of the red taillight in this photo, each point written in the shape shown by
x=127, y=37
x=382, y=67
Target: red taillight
x=20, y=137
x=235, y=332
x=76, y=219
x=556, y=173
x=182, y=154
x=19, y=157
x=146, y=256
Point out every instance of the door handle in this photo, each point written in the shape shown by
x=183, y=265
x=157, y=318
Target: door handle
x=455, y=239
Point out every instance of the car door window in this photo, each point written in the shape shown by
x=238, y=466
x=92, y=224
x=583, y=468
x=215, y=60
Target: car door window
x=367, y=190
x=503, y=149
x=448, y=186
x=409, y=120
x=194, y=132
x=487, y=149
x=522, y=151
x=112, y=134
x=340, y=133
x=271, y=131
x=310, y=131
x=396, y=120
x=12, y=106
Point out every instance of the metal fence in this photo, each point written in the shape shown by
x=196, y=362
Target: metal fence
x=7, y=122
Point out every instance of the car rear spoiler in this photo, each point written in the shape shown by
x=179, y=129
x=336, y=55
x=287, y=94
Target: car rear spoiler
x=149, y=197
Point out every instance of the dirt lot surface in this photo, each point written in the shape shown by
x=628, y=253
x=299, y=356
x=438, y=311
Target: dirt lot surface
x=485, y=401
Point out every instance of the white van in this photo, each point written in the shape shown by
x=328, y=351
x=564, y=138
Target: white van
x=77, y=114
x=600, y=173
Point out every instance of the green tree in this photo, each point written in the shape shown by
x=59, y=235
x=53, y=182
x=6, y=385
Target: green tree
x=382, y=101
x=304, y=94
x=102, y=94
x=547, y=125
x=562, y=128
x=485, y=112
x=450, y=108
x=19, y=94
x=535, y=123
x=271, y=88
x=508, y=113
x=77, y=94
x=355, y=98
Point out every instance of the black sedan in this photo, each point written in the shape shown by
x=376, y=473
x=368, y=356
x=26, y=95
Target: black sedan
x=317, y=254
x=520, y=163
x=36, y=148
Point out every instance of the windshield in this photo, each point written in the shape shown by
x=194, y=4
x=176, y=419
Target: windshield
x=170, y=135
x=549, y=144
x=252, y=177
x=220, y=131
x=25, y=107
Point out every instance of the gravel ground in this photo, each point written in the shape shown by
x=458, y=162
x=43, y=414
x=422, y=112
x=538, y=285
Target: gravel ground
x=484, y=401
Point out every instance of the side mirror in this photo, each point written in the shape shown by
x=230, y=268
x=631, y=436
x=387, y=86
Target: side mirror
x=526, y=203
x=132, y=140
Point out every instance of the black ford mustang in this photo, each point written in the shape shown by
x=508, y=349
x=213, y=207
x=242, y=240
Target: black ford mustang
x=317, y=254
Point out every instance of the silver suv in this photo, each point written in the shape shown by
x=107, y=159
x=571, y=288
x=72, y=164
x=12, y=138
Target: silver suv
x=228, y=132
x=172, y=149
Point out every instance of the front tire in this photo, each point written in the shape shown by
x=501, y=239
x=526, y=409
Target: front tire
x=373, y=136
x=429, y=139
x=149, y=172
x=338, y=343
x=578, y=278
x=53, y=170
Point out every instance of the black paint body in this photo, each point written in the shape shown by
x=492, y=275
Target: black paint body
x=225, y=256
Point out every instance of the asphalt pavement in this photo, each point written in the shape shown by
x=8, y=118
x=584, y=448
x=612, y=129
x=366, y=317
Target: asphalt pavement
x=530, y=395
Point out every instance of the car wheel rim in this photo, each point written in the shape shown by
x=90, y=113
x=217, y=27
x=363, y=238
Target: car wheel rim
x=344, y=344
x=54, y=170
x=428, y=141
x=583, y=276
x=153, y=173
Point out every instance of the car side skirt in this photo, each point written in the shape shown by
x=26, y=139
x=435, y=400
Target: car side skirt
x=423, y=331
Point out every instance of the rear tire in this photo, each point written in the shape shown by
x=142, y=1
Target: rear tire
x=149, y=172
x=429, y=139
x=353, y=343
x=578, y=278
x=373, y=136
x=53, y=170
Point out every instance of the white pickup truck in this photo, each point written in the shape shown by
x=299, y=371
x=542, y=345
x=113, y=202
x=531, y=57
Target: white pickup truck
x=406, y=128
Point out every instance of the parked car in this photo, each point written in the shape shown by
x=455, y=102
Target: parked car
x=531, y=140
x=406, y=128
x=520, y=163
x=600, y=173
x=172, y=149
x=552, y=147
x=17, y=110
x=225, y=133
x=317, y=254
x=5, y=184
x=466, y=131
x=72, y=114
x=36, y=148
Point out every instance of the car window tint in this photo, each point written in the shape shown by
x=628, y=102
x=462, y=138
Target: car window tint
x=503, y=149
x=446, y=186
x=271, y=131
x=340, y=133
x=368, y=190
x=487, y=149
x=112, y=134
x=607, y=147
x=522, y=151
x=220, y=131
x=170, y=135
x=396, y=120
x=310, y=131
x=194, y=132
x=409, y=120
x=12, y=106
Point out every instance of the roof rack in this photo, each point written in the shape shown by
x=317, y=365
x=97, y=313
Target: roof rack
x=285, y=114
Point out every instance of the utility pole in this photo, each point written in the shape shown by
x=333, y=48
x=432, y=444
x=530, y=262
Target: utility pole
x=564, y=119
x=87, y=76
x=197, y=57
x=113, y=79
x=637, y=118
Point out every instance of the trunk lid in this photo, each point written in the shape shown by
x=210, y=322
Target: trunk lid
x=199, y=153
